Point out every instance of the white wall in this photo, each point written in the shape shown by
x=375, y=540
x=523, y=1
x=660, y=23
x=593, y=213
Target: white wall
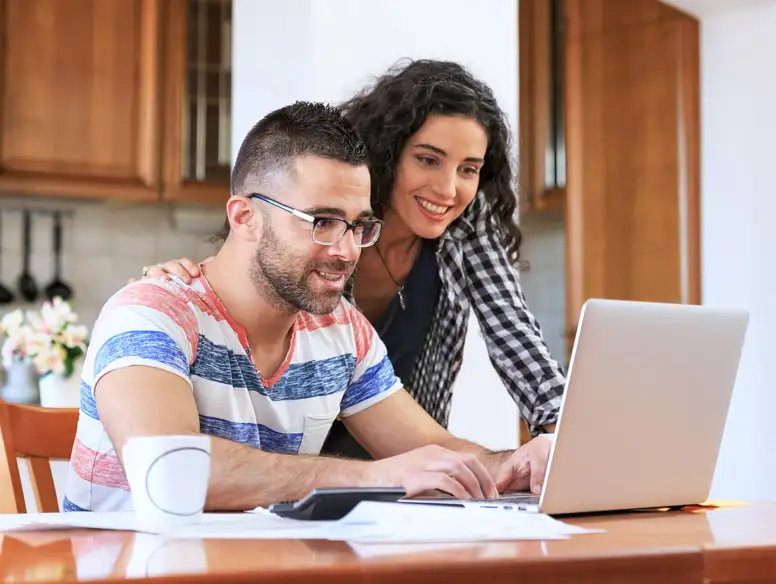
x=738, y=237
x=325, y=50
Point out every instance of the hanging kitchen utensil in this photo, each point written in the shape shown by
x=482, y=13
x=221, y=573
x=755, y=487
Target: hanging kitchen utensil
x=27, y=285
x=6, y=296
x=57, y=286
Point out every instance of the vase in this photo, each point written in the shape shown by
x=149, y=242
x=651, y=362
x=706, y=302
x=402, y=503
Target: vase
x=58, y=391
x=21, y=385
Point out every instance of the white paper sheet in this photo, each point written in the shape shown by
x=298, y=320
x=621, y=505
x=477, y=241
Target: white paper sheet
x=375, y=522
x=369, y=522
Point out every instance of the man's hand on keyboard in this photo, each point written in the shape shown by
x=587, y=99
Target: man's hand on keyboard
x=524, y=470
x=435, y=468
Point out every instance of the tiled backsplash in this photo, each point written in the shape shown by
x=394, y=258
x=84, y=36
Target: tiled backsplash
x=544, y=284
x=103, y=246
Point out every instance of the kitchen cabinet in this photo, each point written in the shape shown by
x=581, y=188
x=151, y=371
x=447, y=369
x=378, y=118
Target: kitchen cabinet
x=116, y=99
x=80, y=98
x=633, y=151
x=609, y=97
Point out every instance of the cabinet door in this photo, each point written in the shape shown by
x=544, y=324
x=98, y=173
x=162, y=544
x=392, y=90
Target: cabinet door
x=632, y=195
x=198, y=104
x=80, y=98
x=542, y=162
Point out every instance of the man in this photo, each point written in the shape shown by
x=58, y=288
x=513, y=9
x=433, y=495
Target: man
x=261, y=352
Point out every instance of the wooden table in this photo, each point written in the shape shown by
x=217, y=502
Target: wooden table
x=721, y=545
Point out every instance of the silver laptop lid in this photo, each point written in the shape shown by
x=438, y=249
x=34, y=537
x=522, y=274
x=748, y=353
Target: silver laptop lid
x=647, y=396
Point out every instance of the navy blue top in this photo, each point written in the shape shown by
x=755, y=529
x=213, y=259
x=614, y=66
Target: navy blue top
x=404, y=331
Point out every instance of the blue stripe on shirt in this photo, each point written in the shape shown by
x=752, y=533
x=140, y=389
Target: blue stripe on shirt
x=300, y=381
x=68, y=505
x=254, y=435
x=88, y=403
x=152, y=345
x=375, y=380
x=220, y=364
x=314, y=378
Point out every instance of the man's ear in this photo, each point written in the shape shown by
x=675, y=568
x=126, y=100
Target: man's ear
x=244, y=219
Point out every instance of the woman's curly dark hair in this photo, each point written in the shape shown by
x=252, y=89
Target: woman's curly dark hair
x=399, y=102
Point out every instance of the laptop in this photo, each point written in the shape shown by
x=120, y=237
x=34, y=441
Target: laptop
x=644, y=409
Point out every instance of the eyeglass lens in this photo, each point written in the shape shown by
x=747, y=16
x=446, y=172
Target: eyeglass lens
x=330, y=231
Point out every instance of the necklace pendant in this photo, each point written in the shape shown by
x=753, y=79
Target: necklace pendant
x=402, y=302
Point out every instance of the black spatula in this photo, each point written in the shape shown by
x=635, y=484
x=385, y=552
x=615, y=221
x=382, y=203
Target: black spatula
x=58, y=287
x=27, y=285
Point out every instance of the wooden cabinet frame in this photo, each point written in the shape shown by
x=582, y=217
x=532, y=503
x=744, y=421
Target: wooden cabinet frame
x=535, y=69
x=175, y=188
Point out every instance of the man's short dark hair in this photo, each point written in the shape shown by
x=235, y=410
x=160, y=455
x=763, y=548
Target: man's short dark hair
x=301, y=129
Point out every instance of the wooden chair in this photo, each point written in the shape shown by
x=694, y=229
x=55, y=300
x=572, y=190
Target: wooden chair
x=39, y=435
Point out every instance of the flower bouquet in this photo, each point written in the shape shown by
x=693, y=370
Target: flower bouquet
x=50, y=341
x=50, y=338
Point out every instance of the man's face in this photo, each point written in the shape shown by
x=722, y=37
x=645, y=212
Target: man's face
x=289, y=267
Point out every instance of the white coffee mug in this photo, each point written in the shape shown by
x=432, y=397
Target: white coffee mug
x=168, y=477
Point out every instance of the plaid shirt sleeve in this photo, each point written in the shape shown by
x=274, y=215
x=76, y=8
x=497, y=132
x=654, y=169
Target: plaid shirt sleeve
x=512, y=335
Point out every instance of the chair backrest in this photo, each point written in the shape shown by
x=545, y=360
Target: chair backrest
x=39, y=435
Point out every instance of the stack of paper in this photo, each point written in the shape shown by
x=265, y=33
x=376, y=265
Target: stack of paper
x=369, y=522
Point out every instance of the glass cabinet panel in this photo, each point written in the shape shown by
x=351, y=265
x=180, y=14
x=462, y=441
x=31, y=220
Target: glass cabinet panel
x=207, y=110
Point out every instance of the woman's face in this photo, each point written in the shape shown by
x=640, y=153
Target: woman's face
x=438, y=173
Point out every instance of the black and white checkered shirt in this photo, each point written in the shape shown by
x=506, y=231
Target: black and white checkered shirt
x=475, y=272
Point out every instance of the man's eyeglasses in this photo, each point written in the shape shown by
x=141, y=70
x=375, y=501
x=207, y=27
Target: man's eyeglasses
x=331, y=230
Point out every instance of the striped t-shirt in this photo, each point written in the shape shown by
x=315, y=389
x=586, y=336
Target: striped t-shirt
x=336, y=366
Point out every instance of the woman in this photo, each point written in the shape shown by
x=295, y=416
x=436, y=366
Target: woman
x=442, y=182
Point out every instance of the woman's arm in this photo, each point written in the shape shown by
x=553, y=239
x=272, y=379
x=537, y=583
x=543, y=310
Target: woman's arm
x=512, y=335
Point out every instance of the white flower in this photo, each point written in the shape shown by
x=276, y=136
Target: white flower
x=12, y=321
x=74, y=336
x=51, y=358
x=37, y=342
x=52, y=320
x=44, y=336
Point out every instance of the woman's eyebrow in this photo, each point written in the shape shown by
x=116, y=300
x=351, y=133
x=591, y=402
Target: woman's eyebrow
x=441, y=152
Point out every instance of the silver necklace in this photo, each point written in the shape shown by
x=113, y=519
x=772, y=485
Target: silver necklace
x=402, y=301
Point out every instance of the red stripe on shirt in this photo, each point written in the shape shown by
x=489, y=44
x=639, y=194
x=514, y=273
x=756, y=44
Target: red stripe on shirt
x=170, y=303
x=363, y=331
x=104, y=470
x=313, y=322
x=159, y=298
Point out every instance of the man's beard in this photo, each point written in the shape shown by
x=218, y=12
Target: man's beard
x=277, y=275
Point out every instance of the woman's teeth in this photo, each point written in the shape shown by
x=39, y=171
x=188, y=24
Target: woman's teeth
x=436, y=209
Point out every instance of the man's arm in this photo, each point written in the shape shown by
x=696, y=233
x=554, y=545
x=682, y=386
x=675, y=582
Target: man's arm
x=398, y=424
x=139, y=400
